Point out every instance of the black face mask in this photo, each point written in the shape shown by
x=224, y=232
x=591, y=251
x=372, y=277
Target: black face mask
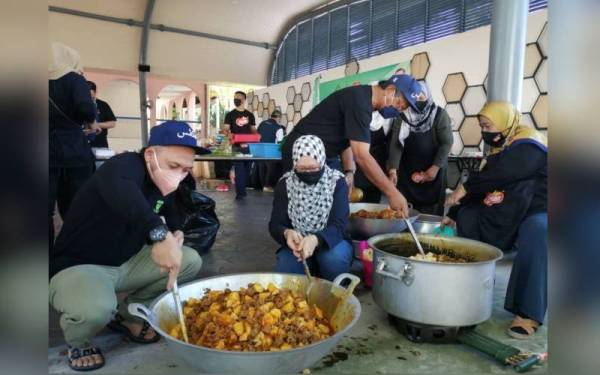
x=488, y=138
x=237, y=102
x=310, y=178
x=421, y=105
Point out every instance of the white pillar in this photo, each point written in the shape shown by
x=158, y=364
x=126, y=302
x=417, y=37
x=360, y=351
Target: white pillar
x=507, y=50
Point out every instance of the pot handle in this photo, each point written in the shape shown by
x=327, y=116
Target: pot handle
x=406, y=275
x=141, y=311
x=354, y=281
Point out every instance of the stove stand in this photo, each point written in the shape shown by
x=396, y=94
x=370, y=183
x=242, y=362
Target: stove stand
x=425, y=333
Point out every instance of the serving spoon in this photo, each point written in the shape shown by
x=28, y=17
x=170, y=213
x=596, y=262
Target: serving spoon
x=179, y=309
x=414, y=236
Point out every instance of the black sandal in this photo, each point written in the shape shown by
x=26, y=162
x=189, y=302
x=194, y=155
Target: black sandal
x=118, y=326
x=76, y=353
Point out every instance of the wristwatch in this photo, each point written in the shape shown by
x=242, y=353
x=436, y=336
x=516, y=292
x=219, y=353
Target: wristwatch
x=159, y=233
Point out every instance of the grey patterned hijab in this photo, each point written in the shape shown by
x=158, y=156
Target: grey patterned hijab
x=421, y=122
x=309, y=205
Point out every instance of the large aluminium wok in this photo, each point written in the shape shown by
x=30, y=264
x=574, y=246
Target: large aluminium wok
x=333, y=299
x=440, y=294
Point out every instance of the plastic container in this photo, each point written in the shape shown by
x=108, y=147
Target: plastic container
x=265, y=150
x=245, y=138
x=367, y=264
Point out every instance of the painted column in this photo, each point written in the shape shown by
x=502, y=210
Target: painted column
x=507, y=50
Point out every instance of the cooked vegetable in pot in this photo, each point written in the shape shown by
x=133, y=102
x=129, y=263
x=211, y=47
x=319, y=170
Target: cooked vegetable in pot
x=387, y=213
x=253, y=319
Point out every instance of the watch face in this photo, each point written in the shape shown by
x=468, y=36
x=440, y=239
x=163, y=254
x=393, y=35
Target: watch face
x=158, y=234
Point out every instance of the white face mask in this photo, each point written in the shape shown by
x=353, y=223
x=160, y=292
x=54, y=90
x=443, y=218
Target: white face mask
x=165, y=180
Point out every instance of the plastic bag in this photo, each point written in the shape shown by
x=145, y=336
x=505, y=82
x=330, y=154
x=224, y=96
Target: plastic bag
x=199, y=221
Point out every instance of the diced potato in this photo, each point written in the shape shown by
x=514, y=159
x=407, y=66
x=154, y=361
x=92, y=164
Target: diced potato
x=238, y=328
x=310, y=324
x=324, y=328
x=187, y=310
x=302, y=305
x=262, y=297
x=267, y=320
x=225, y=319
x=288, y=307
x=258, y=288
x=266, y=307
x=285, y=346
x=276, y=313
x=233, y=299
x=272, y=288
x=258, y=340
x=248, y=299
x=220, y=345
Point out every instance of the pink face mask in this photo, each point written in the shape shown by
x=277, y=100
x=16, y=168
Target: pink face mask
x=165, y=180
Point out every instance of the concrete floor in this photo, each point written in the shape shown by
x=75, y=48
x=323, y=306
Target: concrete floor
x=373, y=345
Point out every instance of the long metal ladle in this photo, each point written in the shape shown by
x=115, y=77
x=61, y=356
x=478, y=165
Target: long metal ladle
x=414, y=236
x=179, y=309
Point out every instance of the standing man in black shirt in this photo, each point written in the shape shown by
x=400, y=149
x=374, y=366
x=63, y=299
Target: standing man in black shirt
x=105, y=119
x=342, y=122
x=270, y=132
x=240, y=121
x=121, y=235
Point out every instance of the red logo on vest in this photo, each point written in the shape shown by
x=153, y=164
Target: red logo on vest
x=241, y=121
x=493, y=198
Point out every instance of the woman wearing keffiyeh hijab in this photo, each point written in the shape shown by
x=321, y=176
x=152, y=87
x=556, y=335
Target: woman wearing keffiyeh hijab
x=310, y=214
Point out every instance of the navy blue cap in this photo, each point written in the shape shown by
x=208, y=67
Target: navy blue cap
x=408, y=86
x=175, y=133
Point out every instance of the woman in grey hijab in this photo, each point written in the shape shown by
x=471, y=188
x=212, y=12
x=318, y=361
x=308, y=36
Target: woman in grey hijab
x=418, y=158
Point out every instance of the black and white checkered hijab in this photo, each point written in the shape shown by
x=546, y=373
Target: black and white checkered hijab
x=309, y=205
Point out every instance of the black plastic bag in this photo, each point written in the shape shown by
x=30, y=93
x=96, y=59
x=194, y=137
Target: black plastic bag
x=198, y=219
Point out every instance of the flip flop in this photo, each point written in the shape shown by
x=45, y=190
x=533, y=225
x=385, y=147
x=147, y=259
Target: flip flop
x=522, y=328
x=118, y=326
x=76, y=353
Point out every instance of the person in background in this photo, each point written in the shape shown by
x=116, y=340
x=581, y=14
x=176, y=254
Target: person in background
x=505, y=205
x=400, y=71
x=380, y=134
x=310, y=214
x=240, y=121
x=418, y=157
x=121, y=235
x=71, y=108
x=270, y=132
x=342, y=121
x=105, y=119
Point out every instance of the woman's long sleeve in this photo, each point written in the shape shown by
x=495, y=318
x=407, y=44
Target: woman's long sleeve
x=337, y=223
x=279, y=214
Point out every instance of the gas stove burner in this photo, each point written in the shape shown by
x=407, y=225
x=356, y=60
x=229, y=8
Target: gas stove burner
x=420, y=333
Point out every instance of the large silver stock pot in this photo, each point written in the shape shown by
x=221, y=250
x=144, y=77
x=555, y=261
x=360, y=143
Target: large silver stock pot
x=337, y=303
x=442, y=294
